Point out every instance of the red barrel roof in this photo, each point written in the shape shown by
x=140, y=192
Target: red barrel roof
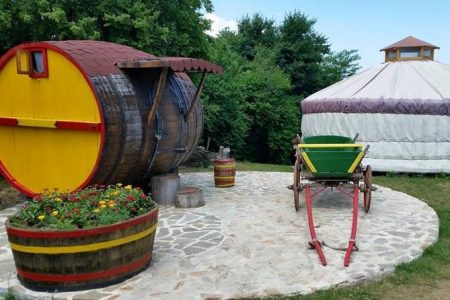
x=99, y=58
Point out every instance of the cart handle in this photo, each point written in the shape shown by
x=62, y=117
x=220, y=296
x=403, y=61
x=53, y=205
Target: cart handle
x=329, y=145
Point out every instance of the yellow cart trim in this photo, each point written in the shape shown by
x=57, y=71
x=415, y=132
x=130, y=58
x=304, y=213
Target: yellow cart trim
x=82, y=248
x=308, y=162
x=356, y=162
x=329, y=145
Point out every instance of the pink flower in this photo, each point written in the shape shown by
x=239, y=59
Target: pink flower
x=73, y=199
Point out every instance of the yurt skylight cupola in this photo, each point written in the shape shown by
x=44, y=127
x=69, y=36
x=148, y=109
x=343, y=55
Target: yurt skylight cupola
x=409, y=48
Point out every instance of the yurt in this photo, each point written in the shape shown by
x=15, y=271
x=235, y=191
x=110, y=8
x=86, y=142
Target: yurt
x=401, y=108
x=75, y=113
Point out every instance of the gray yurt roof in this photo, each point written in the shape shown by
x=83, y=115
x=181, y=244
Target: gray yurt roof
x=414, y=87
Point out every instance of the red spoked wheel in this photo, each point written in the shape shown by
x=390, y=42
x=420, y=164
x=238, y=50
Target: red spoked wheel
x=296, y=186
x=368, y=188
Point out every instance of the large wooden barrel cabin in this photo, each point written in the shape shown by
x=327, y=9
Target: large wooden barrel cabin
x=75, y=113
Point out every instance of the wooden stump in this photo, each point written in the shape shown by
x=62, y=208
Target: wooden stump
x=190, y=197
x=165, y=188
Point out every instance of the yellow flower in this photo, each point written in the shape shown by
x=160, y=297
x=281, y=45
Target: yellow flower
x=41, y=217
x=102, y=202
x=102, y=206
x=119, y=184
x=59, y=200
x=128, y=187
x=96, y=210
x=111, y=205
x=115, y=193
x=55, y=213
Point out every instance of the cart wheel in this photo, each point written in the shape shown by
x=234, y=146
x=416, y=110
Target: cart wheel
x=368, y=190
x=296, y=186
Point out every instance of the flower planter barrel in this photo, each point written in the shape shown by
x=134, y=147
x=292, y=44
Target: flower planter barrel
x=224, y=172
x=85, y=258
x=94, y=112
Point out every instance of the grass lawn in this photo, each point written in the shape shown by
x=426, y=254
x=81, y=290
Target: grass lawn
x=425, y=278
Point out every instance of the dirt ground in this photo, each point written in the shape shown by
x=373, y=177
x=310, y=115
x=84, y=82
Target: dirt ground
x=8, y=195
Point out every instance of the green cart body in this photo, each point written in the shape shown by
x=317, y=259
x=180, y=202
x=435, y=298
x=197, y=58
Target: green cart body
x=331, y=157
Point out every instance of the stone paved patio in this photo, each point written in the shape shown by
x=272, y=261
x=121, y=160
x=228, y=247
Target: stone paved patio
x=249, y=241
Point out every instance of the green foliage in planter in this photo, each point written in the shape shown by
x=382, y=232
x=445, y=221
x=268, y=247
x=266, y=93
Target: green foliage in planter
x=90, y=207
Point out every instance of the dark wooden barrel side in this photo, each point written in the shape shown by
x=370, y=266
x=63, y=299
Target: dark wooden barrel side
x=83, y=259
x=124, y=134
x=178, y=137
x=195, y=121
x=145, y=82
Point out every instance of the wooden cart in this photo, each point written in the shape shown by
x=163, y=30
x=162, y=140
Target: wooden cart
x=328, y=161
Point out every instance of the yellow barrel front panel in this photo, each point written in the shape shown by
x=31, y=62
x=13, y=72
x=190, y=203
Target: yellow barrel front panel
x=35, y=154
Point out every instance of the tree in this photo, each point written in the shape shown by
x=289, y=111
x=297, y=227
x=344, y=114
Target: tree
x=161, y=27
x=249, y=108
x=273, y=112
x=301, y=52
x=340, y=65
x=225, y=120
x=254, y=107
x=253, y=32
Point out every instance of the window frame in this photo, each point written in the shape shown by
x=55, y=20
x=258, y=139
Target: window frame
x=416, y=50
x=430, y=56
x=30, y=70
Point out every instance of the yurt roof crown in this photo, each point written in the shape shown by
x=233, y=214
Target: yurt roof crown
x=410, y=48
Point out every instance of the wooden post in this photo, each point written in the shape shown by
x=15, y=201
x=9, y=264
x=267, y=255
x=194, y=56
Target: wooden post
x=159, y=93
x=207, y=144
x=165, y=188
x=197, y=94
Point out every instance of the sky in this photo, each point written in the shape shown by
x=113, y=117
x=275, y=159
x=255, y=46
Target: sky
x=364, y=25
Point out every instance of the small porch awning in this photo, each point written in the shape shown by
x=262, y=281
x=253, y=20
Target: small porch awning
x=176, y=64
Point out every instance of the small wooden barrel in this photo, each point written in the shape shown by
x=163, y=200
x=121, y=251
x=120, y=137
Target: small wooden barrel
x=224, y=172
x=84, y=258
